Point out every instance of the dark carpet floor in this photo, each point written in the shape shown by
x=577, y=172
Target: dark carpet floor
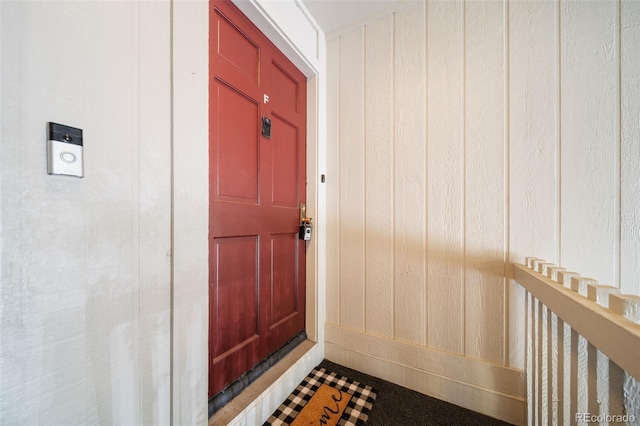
x=396, y=405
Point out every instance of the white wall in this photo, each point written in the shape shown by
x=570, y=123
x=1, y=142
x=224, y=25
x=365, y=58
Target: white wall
x=190, y=101
x=464, y=136
x=85, y=296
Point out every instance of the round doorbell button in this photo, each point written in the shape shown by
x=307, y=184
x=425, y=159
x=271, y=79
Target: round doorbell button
x=68, y=157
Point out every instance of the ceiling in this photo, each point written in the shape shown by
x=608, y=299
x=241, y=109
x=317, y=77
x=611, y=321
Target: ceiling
x=335, y=14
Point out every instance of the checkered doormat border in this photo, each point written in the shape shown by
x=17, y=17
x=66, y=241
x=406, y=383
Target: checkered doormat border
x=356, y=413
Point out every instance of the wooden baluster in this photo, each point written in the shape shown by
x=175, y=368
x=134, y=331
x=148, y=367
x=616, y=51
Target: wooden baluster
x=530, y=358
x=565, y=383
x=619, y=380
x=581, y=346
x=598, y=361
x=555, y=372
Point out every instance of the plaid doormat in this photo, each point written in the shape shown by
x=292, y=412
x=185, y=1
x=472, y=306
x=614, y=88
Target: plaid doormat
x=356, y=412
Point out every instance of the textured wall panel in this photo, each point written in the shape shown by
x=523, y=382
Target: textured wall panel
x=155, y=214
x=590, y=112
x=352, y=179
x=485, y=200
x=445, y=83
x=630, y=150
x=190, y=212
x=410, y=146
x=533, y=147
x=379, y=154
x=333, y=183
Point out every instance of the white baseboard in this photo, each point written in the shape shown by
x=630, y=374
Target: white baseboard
x=486, y=388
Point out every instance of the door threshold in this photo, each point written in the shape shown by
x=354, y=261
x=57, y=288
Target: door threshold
x=238, y=404
x=236, y=387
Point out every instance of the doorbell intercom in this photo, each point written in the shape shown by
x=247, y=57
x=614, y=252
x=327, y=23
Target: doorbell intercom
x=64, y=151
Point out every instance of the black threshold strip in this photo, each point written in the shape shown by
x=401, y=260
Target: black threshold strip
x=221, y=399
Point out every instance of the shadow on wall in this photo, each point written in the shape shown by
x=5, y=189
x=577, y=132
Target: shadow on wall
x=465, y=290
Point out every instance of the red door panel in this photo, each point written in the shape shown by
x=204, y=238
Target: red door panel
x=235, y=289
x=236, y=162
x=236, y=51
x=284, y=275
x=284, y=164
x=285, y=100
x=257, y=262
x=237, y=48
x=234, y=301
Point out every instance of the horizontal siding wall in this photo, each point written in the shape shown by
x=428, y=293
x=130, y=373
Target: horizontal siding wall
x=466, y=135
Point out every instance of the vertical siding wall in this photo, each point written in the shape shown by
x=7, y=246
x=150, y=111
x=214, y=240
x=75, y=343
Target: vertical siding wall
x=85, y=295
x=190, y=103
x=463, y=136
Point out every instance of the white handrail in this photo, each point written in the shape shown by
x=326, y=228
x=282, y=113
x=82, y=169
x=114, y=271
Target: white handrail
x=583, y=348
x=610, y=329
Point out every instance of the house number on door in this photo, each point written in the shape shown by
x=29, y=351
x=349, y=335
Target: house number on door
x=266, y=98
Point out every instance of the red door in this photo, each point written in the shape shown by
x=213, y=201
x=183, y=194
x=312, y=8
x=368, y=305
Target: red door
x=256, y=260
